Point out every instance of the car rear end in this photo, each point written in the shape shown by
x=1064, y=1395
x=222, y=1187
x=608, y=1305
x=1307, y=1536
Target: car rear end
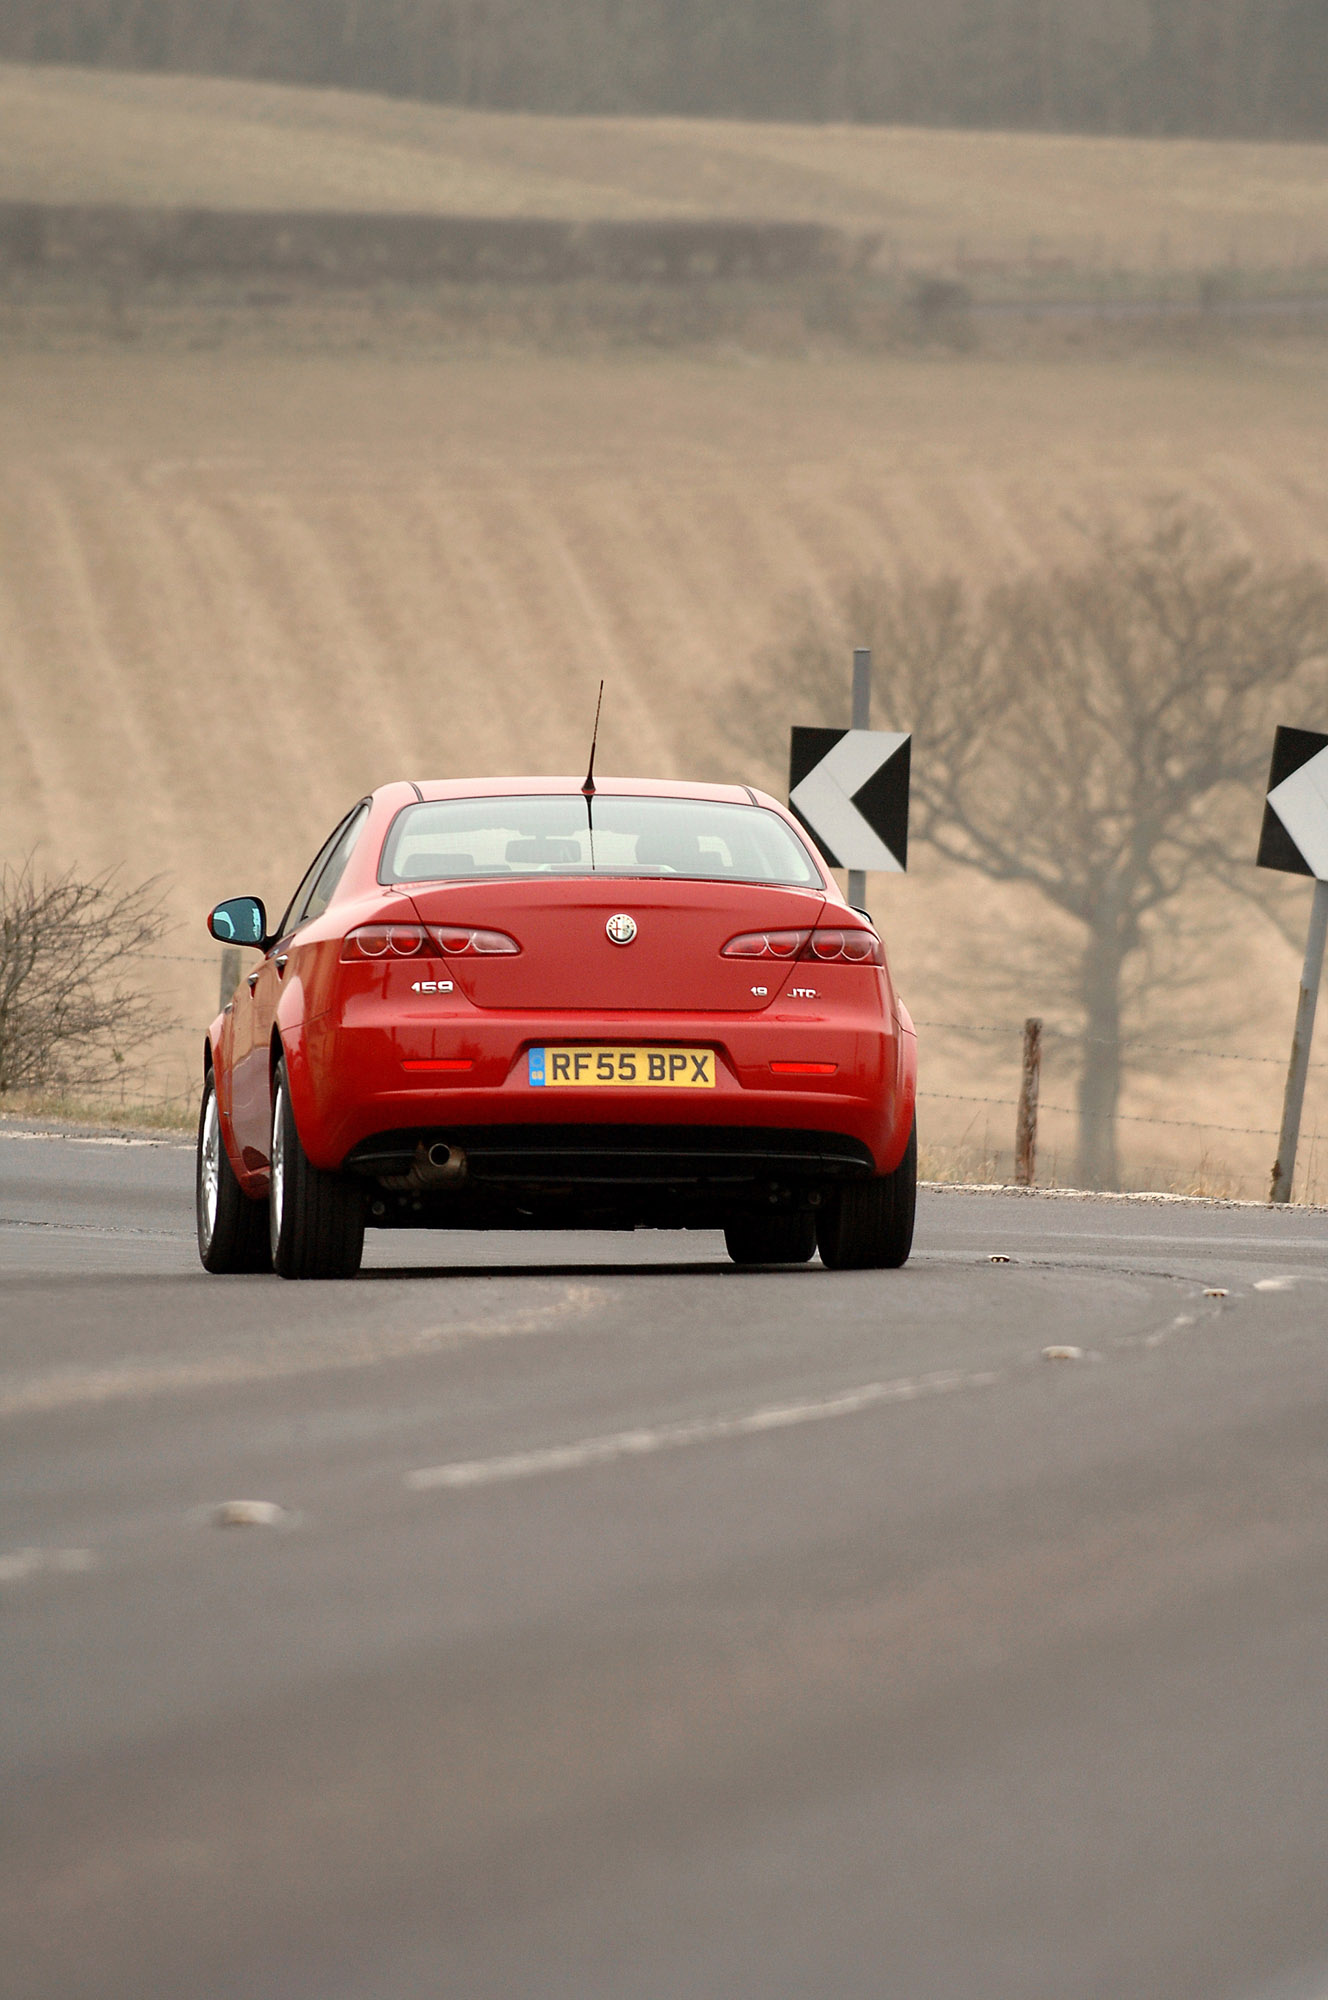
x=647, y=1007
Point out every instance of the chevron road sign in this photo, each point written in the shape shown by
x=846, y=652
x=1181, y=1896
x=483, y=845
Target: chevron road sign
x=1295, y=817
x=1295, y=839
x=849, y=787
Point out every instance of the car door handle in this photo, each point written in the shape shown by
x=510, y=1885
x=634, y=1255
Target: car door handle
x=282, y=960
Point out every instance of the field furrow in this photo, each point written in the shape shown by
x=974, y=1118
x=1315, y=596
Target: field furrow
x=234, y=595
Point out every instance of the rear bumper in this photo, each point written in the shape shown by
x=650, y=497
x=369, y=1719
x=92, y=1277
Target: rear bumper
x=556, y=1176
x=352, y=1092
x=528, y=1156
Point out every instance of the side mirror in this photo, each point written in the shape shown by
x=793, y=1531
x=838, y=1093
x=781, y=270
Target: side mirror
x=239, y=920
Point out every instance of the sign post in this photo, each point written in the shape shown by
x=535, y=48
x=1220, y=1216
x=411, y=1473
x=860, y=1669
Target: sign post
x=862, y=678
x=849, y=787
x=1284, y=1167
x=1294, y=839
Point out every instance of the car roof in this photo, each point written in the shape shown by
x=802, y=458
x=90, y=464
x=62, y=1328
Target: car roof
x=433, y=789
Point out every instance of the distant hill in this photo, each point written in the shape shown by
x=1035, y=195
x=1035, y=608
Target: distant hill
x=1254, y=68
x=69, y=135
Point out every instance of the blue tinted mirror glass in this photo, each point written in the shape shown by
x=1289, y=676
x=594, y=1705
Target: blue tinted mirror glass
x=239, y=920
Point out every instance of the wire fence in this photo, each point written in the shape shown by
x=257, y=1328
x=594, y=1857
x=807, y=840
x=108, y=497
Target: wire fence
x=1101, y=1041
x=1130, y=1117
x=1129, y=1045
x=1001, y=1030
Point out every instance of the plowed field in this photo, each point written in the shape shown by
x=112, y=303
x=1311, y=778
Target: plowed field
x=235, y=592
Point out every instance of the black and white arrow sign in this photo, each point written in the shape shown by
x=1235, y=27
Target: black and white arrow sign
x=1295, y=839
x=849, y=787
x=1295, y=818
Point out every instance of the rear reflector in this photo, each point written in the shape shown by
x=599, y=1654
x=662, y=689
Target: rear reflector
x=448, y=1063
x=804, y=1069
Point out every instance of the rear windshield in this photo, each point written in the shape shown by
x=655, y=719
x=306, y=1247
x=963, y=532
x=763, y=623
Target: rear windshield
x=460, y=838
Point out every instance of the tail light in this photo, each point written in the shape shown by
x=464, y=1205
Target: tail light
x=374, y=941
x=857, y=947
x=385, y=941
x=766, y=944
x=458, y=941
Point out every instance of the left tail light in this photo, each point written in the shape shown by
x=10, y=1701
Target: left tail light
x=374, y=941
x=458, y=941
x=378, y=941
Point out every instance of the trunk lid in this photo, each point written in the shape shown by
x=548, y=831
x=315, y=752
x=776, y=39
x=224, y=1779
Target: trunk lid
x=568, y=962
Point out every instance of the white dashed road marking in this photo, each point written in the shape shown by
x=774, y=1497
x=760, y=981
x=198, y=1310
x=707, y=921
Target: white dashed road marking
x=20, y=1564
x=705, y=1430
x=304, y=1352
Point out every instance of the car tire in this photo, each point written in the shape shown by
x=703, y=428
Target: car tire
x=868, y=1226
x=771, y=1239
x=232, y=1229
x=316, y=1219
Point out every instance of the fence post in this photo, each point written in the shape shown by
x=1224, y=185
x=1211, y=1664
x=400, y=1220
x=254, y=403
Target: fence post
x=231, y=962
x=1025, y=1136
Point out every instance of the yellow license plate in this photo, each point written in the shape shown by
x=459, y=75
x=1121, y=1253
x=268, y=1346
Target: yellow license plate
x=667, y=1069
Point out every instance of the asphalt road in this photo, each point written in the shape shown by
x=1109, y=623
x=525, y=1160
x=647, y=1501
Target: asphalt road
x=639, y=1629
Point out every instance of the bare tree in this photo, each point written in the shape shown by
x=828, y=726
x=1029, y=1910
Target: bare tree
x=1099, y=731
x=75, y=995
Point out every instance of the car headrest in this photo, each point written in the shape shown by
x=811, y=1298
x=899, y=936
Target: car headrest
x=681, y=852
x=543, y=847
x=425, y=867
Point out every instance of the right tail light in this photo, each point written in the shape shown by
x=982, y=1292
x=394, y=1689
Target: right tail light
x=859, y=947
x=853, y=945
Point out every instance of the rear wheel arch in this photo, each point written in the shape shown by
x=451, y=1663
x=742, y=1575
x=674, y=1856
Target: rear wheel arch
x=312, y=1085
x=316, y=1218
x=902, y=1117
x=868, y=1225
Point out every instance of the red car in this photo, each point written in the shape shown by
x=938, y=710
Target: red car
x=519, y=1004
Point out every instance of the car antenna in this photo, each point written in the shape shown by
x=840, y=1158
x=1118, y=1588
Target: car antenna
x=589, y=787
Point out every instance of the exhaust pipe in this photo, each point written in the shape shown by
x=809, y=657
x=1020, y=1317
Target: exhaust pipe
x=436, y=1166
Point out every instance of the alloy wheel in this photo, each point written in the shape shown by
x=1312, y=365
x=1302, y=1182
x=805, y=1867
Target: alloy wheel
x=209, y=1170
x=277, y=1190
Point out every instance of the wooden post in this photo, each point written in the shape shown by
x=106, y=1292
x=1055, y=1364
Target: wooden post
x=231, y=964
x=1025, y=1137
